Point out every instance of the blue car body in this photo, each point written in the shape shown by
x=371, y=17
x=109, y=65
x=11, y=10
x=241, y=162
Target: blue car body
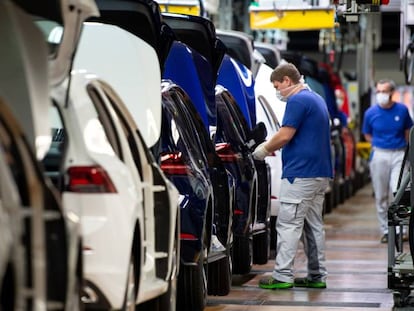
x=238, y=79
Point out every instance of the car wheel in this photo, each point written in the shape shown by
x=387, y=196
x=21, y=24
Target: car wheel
x=219, y=276
x=192, y=287
x=261, y=247
x=242, y=254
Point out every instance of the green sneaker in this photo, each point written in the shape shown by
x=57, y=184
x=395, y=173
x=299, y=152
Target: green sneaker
x=271, y=283
x=305, y=282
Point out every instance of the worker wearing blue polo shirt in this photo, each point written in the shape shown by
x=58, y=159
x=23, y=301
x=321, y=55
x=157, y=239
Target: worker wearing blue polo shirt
x=386, y=126
x=307, y=168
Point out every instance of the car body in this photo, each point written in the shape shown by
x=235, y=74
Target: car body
x=101, y=139
x=251, y=228
x=270, y=110
x=180, y=62
x=213, y=243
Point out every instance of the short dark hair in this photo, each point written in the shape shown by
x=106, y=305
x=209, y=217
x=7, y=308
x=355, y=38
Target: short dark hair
x=283, y=70
x=390, y=82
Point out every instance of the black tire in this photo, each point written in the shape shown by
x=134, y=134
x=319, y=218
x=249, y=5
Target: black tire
x=219, y=276
x=261, y=247
x=242, y=254
x=192, y=287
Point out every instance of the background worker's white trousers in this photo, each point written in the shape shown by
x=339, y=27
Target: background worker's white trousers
x=385, y=166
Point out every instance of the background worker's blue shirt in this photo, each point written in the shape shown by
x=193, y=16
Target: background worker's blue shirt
x=387, y=126
x=308, y=153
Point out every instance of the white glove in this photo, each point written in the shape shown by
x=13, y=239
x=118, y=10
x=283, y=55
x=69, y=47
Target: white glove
x=260, y=152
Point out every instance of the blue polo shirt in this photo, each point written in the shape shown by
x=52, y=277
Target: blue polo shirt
x=387, y=126
x=308, y=153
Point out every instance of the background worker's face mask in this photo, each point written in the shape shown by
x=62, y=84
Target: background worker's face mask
x=339, y=103
x=382, y=99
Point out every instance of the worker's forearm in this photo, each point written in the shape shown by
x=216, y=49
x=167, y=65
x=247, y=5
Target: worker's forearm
x=276, y=142
x=280, y=139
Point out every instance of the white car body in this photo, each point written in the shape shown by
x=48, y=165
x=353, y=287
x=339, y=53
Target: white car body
x=107, y=205
x=270, y=110
x=137, y=79
x=108, y=217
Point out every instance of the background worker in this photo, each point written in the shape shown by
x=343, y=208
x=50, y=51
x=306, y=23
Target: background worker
x=386, y=126
x=307, y=168
x=340, y=99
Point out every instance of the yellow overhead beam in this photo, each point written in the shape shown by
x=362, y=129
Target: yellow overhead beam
x=292, y=19
x=181, y=9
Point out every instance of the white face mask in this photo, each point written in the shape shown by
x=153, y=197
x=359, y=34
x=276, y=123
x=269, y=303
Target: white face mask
x=280, y=96
x=382, y=99
x=284, y=98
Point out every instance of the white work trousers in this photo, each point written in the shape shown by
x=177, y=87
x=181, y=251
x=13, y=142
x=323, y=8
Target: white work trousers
x=300, y=218
x=385, y=167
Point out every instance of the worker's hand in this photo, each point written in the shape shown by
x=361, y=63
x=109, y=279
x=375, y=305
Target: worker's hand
x=260, y=152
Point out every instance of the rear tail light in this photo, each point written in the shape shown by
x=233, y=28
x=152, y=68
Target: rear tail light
x=89, y=179
x=226, y=153
x=172, y=164
x=188, y=237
